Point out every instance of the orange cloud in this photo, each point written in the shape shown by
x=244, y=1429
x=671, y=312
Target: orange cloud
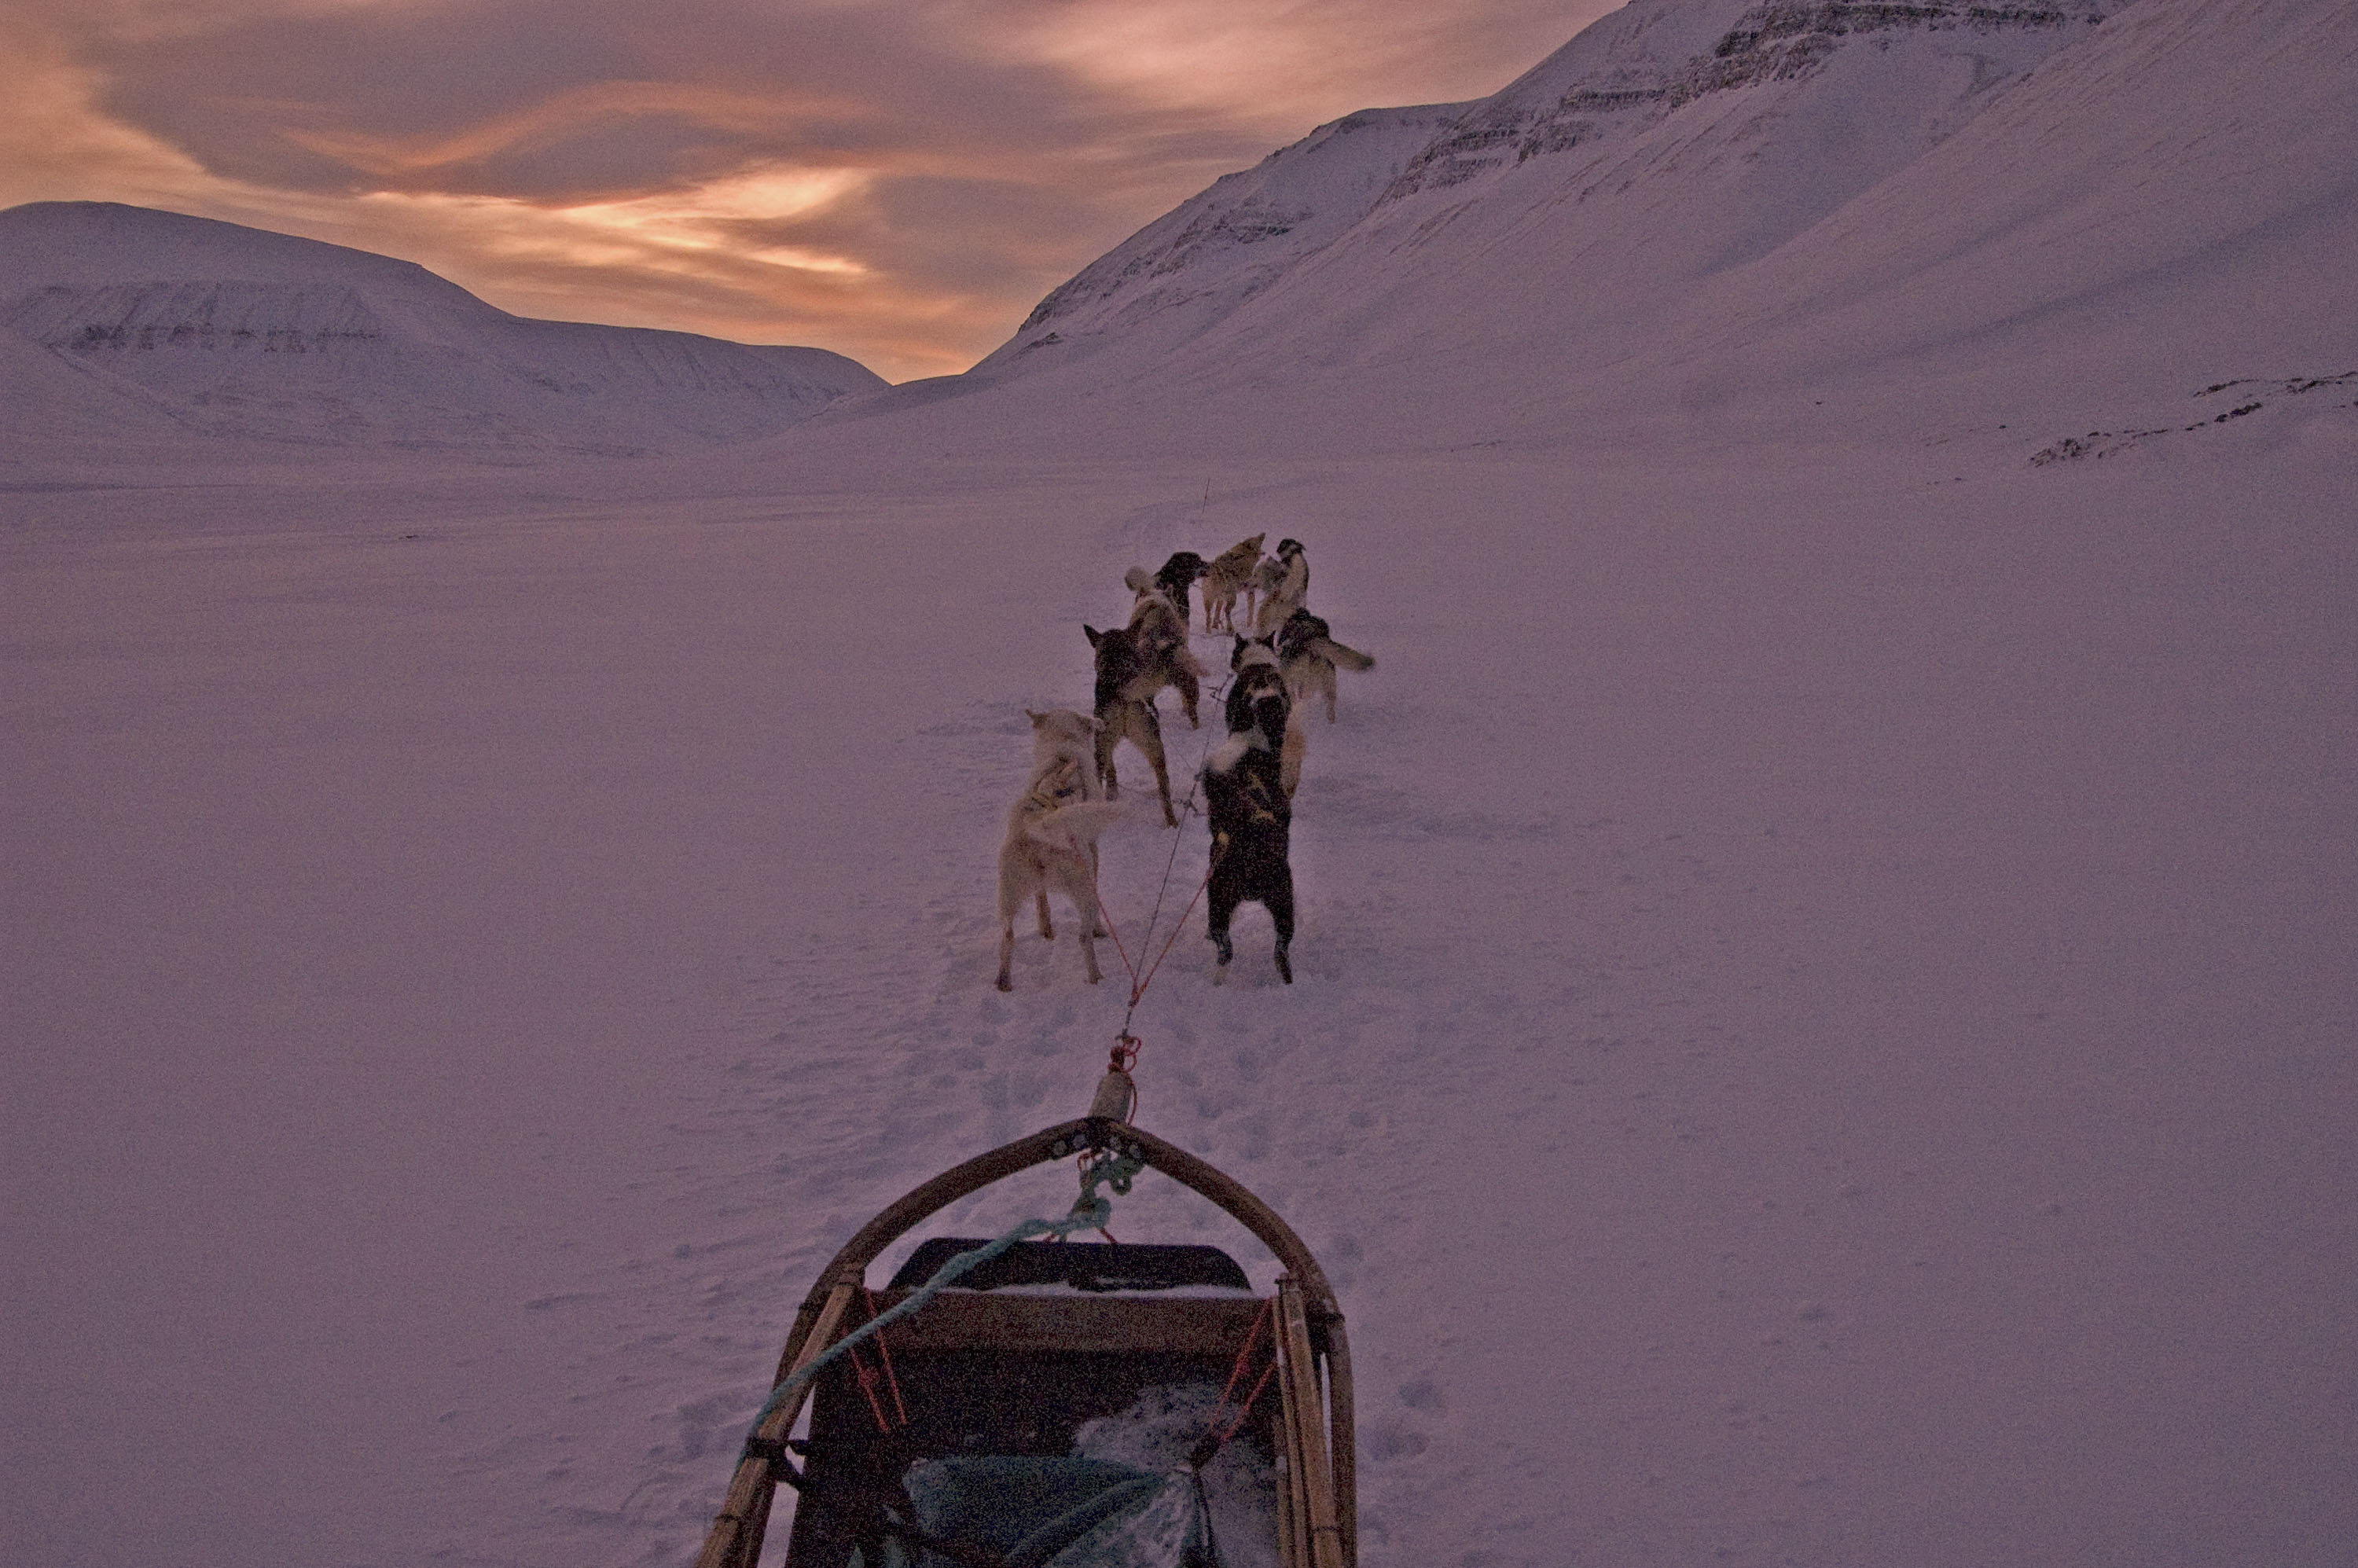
x=564, y=114
x=54, y=141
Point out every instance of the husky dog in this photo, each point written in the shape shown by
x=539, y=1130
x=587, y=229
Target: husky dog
x=1133, y=665
x=1051, y=842
x=1251, y=820
x=1284, y=583
x=1063, y=738
x=1308, y=654
x=1226, y=576
x=1125, y=711
x=1268, y=574
x=1158, y=627
x=1255, y=673
x=1179, y=574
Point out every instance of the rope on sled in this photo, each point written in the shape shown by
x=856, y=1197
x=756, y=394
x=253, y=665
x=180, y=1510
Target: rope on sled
x=1090, y=1211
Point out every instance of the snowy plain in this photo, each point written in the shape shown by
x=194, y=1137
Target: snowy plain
x=1826, y=986
x=1822, y=1033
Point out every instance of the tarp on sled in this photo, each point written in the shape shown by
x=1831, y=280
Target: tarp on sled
x=1062, y=1513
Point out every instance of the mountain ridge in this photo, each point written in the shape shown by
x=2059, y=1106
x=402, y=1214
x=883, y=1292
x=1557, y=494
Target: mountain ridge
x=242, y=331
x=1644, y=97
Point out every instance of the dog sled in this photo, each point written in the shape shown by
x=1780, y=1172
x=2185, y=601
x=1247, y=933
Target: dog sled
x=1061, y=1403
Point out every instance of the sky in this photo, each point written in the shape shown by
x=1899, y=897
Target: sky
x=899, y=181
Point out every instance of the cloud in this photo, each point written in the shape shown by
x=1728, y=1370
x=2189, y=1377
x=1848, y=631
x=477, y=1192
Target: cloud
x=896, y=179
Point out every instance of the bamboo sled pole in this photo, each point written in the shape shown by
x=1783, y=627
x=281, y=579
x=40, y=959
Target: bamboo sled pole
x=1292, y=1532
x=1300, y=1374
x=735, y=1541
x=1343, y=1431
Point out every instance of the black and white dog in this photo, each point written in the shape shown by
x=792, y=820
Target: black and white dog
x=1252, y=665
x=1251, y=816
x=1283, y=581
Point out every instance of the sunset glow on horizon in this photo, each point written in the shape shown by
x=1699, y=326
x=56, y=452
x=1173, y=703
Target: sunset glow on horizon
x=898, y=182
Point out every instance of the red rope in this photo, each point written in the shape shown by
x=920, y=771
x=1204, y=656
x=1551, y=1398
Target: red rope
x=860, y=1370
x=1252, y=1338
x=1245, y=1409
x=1137, y=986
x=884, y=1354
x=1125, y=1044
x=1113, y=929
x=1178, y=928
x=1216, y=1433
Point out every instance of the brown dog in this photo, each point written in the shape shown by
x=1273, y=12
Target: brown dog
x=1226, y=577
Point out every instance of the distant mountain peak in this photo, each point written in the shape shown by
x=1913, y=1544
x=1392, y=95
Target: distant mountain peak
x=1784, y=40
x=242, y=332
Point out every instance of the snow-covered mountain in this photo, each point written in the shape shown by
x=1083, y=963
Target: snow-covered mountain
x=1678, y=138
x=1702, y=204
x=231, y=330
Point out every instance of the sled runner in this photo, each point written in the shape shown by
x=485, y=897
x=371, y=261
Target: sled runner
x=1060, y=1404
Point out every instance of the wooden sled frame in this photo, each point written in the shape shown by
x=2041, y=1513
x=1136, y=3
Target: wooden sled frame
x=1317, y=1505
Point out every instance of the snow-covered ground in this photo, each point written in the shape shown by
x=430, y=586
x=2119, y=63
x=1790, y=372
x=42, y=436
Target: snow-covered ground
x=1821, y=1032
x=1825, y=978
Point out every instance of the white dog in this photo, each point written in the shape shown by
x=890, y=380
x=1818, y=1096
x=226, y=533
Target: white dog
x=1061, y=735
x=1051, y=834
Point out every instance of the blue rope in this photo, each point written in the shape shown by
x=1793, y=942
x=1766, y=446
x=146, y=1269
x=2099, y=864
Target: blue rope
x=1090, y=1211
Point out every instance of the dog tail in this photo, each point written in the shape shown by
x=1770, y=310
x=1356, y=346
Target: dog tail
x=1229, y=753
x=1348, y=658
x=1137, y=579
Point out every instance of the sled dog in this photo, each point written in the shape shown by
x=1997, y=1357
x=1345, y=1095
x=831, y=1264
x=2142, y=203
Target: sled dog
x=1179, y=574
x=1161, y=628
x=1062, y=739
x=1308, y=654
x=1133, y=664
x=1051, y=843
x=1228, y=576
x=1254, y=675
x=1252, y=824
x=1284, y=583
